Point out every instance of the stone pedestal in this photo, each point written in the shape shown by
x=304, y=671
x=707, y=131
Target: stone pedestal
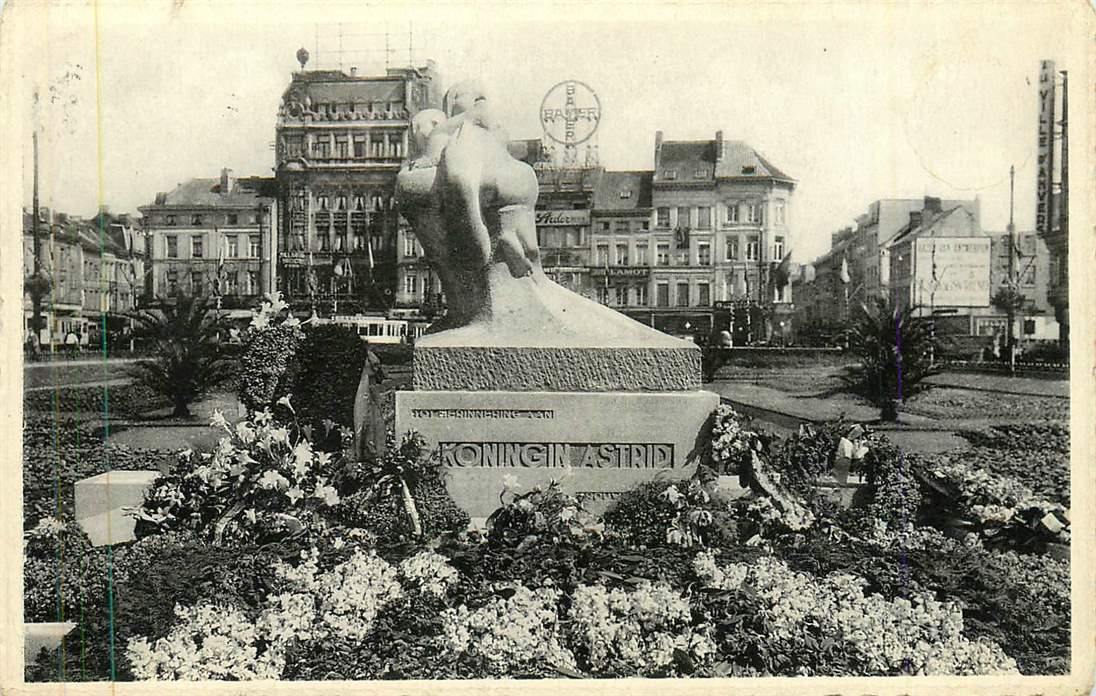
x=100, y=501
x=598, y=444
x=43, y=635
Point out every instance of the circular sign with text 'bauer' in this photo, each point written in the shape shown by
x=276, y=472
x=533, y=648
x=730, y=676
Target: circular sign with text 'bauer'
x=570, y=113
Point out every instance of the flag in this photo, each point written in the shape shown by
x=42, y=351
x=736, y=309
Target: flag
x=782, y=273
x=844, y=270
x=741, y=288
x=369, y=246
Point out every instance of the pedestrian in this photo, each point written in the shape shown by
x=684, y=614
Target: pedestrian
x=72, y=342
x=369, y=428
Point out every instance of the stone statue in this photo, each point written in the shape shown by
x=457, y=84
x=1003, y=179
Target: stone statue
x=471, y=205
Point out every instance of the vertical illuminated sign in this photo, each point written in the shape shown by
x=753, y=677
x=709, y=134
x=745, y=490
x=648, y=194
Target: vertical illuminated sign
x=1044, y=175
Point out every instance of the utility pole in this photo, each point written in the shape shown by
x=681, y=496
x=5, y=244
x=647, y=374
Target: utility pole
x=38, y=285
x=1013, y=280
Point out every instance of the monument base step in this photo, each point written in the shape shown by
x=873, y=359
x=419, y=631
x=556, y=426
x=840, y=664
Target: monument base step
x=673, y=368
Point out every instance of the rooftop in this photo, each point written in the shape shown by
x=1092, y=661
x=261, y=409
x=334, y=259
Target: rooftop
x=623, y=191
x=244, y=193
x=701, y=160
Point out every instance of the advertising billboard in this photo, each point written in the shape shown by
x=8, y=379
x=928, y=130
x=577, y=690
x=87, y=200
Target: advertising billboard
x=952, y=272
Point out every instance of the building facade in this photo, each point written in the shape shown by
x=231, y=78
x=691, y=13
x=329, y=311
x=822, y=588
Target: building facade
x=720, y=237
x=212, y=237
x=340, y=141
x=95, y=267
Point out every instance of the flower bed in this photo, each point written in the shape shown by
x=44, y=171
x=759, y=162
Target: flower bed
x=270, y=557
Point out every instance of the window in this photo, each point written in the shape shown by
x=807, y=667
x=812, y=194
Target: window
x=1027, y=275
x=324, y=238
x=230, y=284
x=682, y=294
x=778, y=211
x=732, y=249
x=196, y=247
x=732, y=212
x=252, y=283
x=603, y=255
x=704, y=253
x=342, y=147
x=621, y=295
x=323, y=202
x=411, y=284
x=662, y=295
x=620, y=226
x=409, y=246
x=622, y=255
x=320, y=147
x=253, y=242
x=293, y=146
x=641, y=254
x=755, y=212
x=1055, y=269
x=359, y=146
x=376, y=146
x=397, y=147
x=195, y=219
x=663, y=254
x=641, y=295
x=603, y=295
x=752, y=248
x=778, y=294
x=196, y=283
x=682, y=217
x=172, y=282
x=172, y=246
x=670, y=173
x=703, y=294
x=625, y=194
x=663, y=217
x=646, y=224
x=704, y=217
x=232, y=219
x=778, y=248
x=233, y=247
x=604, y=225
x=700, y=173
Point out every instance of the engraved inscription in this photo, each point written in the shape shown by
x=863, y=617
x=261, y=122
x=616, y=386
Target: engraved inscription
x=557, y=454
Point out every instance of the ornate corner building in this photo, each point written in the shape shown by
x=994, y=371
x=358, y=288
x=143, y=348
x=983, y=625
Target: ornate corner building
x=340, y=141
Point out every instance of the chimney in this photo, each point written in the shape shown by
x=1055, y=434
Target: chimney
x=227, y=181
x=719, y=146
x=915, y=219
x=932, y=205
x=658, y=148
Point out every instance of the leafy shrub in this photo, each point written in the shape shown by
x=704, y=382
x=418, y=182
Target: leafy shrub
x=58, y=453
x=121, y=400
x=1035, y=454
x=63, y=576
x=402, y=494
x=732, y=442
x=324, y=380
x=663, y=513
x=267, y=352
x=545, y=512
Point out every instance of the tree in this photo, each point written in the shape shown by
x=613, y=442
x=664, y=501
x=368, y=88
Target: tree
x=190, y=356
x=895, y=352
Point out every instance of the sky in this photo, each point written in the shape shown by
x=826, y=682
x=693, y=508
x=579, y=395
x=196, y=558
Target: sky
x=856, y=102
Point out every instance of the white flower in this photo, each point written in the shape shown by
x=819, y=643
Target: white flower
x=218, y=420
x=245, y=432
x=510, y=482
x=292, y=321
x=260, y=321
x=280, y=435
x=294, y=494
x=284, y=401
x=327, y=494
x=271, y=480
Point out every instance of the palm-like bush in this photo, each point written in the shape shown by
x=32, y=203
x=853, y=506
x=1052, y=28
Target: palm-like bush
x=191, y=357
x=895, y=352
